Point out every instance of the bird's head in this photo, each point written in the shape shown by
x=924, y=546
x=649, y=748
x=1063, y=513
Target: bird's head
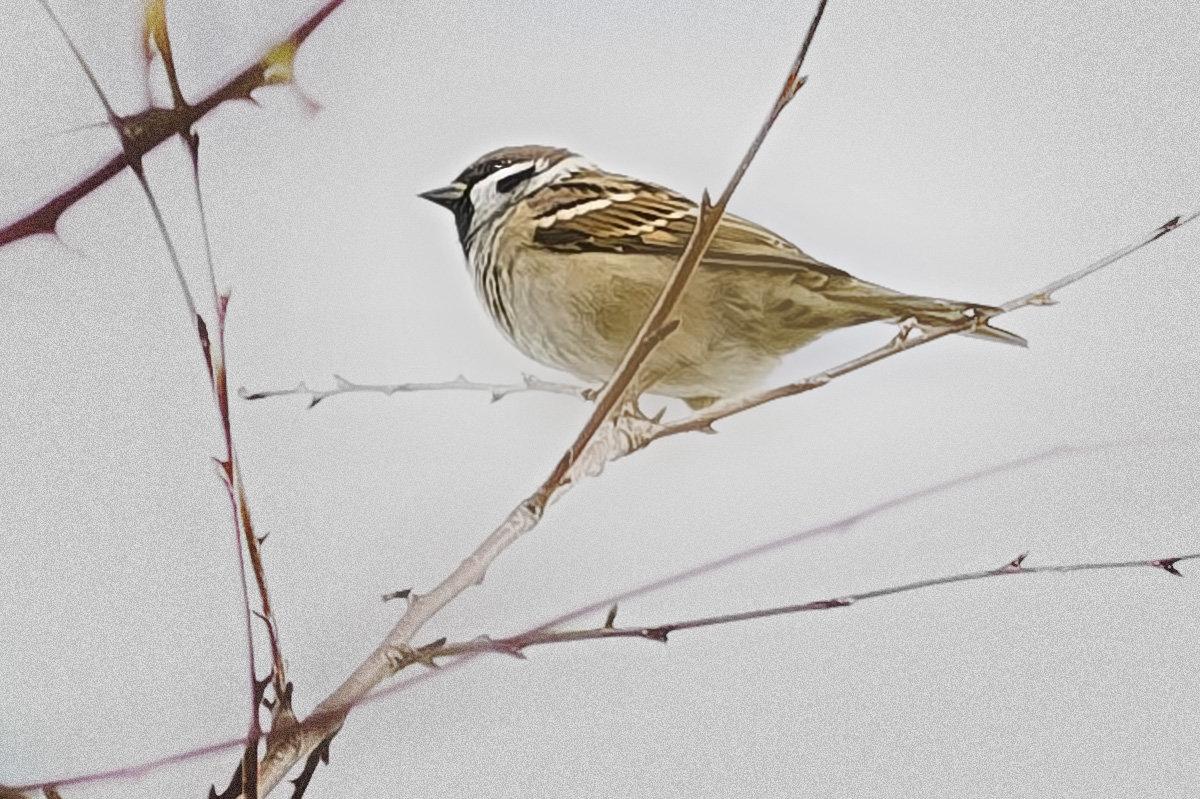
x=494, y=181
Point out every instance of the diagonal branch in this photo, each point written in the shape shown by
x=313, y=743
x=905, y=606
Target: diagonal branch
x=133, y=160
x=703, y=420
x=516, y=644
x=328, y=716
x=841, y=525
x=145, y=130
x=136, y=140
x=658, y=323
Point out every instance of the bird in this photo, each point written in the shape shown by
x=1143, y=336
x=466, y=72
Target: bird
x=568, y=259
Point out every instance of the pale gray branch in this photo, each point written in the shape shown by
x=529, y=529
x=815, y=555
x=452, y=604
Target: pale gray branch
x=379, y=665
x=498, y=391
x=703, y=420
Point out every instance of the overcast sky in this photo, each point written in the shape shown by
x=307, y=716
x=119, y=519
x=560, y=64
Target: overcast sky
x=959, y=149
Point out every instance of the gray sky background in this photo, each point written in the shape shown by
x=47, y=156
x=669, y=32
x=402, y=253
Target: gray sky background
x=961, y=149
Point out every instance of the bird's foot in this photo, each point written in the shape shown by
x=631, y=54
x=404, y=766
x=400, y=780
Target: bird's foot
x=632, y=428
x=632, y=410
x=910, y=332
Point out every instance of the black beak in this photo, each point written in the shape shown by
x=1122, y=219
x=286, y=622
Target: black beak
x=447, y=196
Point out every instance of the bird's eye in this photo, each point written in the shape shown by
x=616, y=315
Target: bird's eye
x=510, y=182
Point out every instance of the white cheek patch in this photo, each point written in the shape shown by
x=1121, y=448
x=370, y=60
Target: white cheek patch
x=564, y=168
x=488, y=201
x=486, y=197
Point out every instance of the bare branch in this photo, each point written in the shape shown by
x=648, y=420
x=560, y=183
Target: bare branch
x=609, y=604
x=621, y=387
x=515, y=645
x=276, y=66
x=498, y=390
x=133, y=159
x=143, y=131
x=703, y=420
x=328, y=716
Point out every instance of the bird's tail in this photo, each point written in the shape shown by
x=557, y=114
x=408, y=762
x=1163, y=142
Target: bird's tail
x=937, y=313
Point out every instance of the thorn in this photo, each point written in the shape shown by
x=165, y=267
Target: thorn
x=312, y=403
x=909, y=328
x=830, y=604
x=505, y=646
x=401, y=594
x=497, y=395
x=341, y=382
x=653, y=339
x=1166, y=227
x=224, y=473
x=611, y=617
x=262, y=538
x=708, y=429
x=1014, y=565
x=1168, y=564
x=655, y=633
x=658, y=417
x=425, y=655
x=260, y=686
x=794, y=85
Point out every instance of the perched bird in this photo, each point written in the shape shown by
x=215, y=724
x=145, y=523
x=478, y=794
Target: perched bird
x=568, y=259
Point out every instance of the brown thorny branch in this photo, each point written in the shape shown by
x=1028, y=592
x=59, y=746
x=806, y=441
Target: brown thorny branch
x=607, y=435
x=515, y=645
x=139, y=134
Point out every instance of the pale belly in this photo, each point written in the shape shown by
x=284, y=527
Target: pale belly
x=579, y=313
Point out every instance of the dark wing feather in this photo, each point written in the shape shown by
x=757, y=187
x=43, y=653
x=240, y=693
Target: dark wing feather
x=590, y=213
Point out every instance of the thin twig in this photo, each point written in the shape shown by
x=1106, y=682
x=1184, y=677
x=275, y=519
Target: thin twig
x=703, y=420
x=842, y=525
x=133, y=160
x=610, y=603
x=215, y=359
x=517, y=644
x=498, y=391
x=658, y=323
x=143, y=131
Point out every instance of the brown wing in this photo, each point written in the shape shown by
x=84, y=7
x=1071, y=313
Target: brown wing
x=592, y=212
